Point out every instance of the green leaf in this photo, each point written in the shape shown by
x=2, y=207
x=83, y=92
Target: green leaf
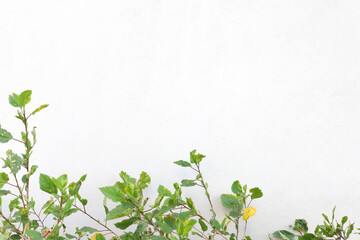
x=185, y=215
x=119, y=211
x=154, y=237
x=126, y=178
x=125, y=223
x=234, y=213
x=33, y=133
x=5, y=236
x=26, y=177
x=188, y=183
x=215, y=223
x=83, y=201
x=24, y=98
x=196, y=158
x=165, y=227
x=100, y=237
x=62, y=180
x=112, y=193
x=47, y=184
x=14, y=100
x=144, y=180
x=190, y=203
x=236, y=188
x=230, y=201
x=87, y=229
x=13, y=161
x=69, y=236
x=74, y=187
x=188, y=226
x=333, y=214
x=283, y=234
x=344, y=220
x=301, y=225
x=325, y=217
x=4, y=178
x=13, y=204
x=35, y=235
x=203, y=225
x=5, y=136
x=163, y=191
x=4, y=192
x=183, y=163
x=256, y=193
x=40, y=108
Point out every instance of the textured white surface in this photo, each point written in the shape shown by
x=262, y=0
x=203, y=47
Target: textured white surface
x=268, y=90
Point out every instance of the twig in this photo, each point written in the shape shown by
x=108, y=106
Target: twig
x=16, y=229
x=87, y=214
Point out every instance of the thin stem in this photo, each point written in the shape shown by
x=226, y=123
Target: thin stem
x=245, y=229
x=13, y=185
x=206, y=191
x=39, y=219
x=103, y=225
x=237, y=228
x=148, y=220
x=27, y=162
x=201, y=233
x=20, y=190
x=18, y=140
x=205, y=220
x=207, y=196
x=10, y=223
x=59, y=218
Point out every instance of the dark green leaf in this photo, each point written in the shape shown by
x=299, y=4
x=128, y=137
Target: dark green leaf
x=188, y=183
x=255, y=193
x=4, y=192
x=125, y=223
x=301, y=225
x=5, y=136
x=183, y=163
x=203, y=225
x=236, y=188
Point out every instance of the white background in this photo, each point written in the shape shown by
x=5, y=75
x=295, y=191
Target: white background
x=268, y=90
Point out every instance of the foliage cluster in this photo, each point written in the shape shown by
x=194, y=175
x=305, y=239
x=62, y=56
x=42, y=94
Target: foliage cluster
x=170, y=216
x=328, y=230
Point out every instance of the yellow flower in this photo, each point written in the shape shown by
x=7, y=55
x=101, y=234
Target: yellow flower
x=94, y=236
x=249, y=212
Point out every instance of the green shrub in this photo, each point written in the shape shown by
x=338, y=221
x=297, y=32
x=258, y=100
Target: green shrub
x=170, y=216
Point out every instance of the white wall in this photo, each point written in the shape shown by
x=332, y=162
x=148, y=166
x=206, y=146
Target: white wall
x=268, y=90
